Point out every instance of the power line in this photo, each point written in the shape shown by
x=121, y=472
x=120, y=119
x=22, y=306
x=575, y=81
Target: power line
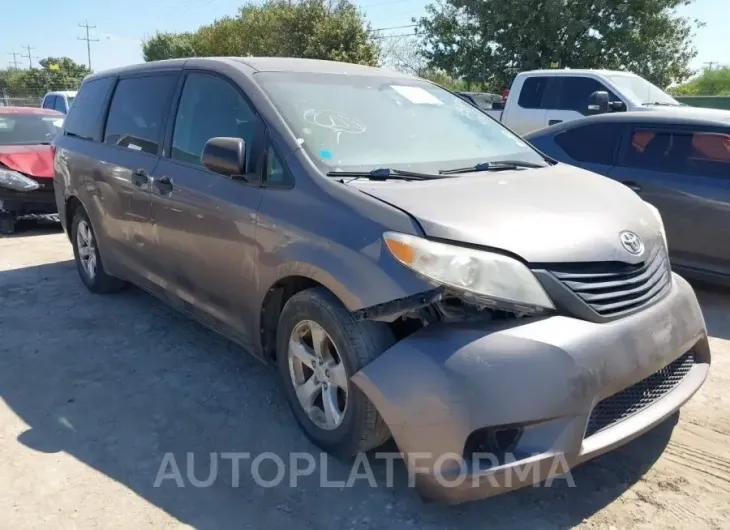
x=15, y=59
x=88, y=40
x=29, y=56
x=395, y=27
x=397, y=35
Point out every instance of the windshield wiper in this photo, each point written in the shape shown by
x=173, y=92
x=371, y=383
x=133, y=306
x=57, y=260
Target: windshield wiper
x=384, y=174
x=497, y=165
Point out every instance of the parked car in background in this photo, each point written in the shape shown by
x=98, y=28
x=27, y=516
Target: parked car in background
x=411, y=267
x=26, y=163
x=679, y=161
x=541, y=98
x=60, y=101
x=482, y=100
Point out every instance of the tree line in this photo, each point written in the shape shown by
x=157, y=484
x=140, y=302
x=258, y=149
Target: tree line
x=52, y=73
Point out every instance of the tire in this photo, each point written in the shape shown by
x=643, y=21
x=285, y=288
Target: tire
x=356, y=344
x=99, y=282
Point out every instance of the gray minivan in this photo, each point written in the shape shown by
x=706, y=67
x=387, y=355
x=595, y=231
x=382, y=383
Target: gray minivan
x=412, y=268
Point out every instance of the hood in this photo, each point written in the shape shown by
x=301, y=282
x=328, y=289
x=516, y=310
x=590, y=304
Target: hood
x=550, y=215
x=33, y=160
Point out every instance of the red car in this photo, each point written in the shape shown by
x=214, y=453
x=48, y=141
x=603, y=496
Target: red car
x=26, y=163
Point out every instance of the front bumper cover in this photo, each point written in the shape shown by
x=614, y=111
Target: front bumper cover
x=442, y=383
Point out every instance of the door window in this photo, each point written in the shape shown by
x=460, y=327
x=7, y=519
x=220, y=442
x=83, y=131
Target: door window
x=137, y=112
x=49, y=102
x=60, y=104
x=596, y=143
x=531, y=95
x=572, y=93
x=84, y=119
x=210, y=107
x=705, y=154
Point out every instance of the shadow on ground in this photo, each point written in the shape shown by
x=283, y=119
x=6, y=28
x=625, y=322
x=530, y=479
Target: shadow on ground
x=32, y=227
x=117, y=382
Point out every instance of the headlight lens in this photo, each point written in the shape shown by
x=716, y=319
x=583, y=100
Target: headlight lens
x=16, y=181
x=660, y=221
x=475, y=273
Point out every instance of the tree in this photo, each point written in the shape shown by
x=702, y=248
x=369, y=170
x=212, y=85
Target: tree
x=402, y=54
x=490, y=41
x=55, y=73
x=315, y=29
x=712, y=82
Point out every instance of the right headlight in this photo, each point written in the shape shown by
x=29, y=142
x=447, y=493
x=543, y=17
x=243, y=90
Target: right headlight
x=476, y=274
x=15, y=181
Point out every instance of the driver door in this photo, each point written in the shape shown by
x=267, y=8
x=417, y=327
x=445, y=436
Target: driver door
x=567, y=97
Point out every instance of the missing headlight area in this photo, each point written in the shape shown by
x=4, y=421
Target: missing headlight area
x=408, y=315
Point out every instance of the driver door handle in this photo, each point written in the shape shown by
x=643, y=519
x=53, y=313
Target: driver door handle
x=632, y=185
x=140, y=178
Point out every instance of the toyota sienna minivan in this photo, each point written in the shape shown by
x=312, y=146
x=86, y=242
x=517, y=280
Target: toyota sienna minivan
x=412, y=268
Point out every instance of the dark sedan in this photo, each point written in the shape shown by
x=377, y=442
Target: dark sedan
x=679, y=162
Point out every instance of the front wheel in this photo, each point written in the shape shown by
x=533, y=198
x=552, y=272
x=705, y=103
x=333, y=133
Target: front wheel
x=88, y=259
x=319, y=347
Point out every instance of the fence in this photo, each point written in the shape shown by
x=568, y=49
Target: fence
x=711, y=102
x=30, y=101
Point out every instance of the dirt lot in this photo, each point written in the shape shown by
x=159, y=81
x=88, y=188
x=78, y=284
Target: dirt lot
x=95, y=390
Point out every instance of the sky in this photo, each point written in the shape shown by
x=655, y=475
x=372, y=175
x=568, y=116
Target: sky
x=120, y=26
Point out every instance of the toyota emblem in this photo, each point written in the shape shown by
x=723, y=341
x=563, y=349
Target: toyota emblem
x=632, y=243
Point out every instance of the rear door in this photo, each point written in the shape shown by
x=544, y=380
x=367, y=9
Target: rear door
x=205, y=223
x=527, y=114
x=132, y=143
x=685, y=173
x=567, y=97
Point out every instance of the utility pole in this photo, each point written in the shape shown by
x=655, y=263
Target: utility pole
x=29, y=56
x=88, y=40
x=15, y=59
x=710, y=65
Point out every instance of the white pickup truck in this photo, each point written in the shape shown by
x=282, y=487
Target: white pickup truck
x=540, y=98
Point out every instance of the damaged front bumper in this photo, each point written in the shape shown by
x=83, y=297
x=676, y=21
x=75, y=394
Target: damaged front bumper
x=560, y=388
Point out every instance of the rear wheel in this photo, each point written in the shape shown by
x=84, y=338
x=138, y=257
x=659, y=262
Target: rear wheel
x=319, y=347
x=88, y=260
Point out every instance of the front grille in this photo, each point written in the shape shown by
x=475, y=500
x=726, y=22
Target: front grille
x=620, y=406
x=613, y=288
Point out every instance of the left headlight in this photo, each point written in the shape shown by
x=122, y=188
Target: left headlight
x=15, y=181
x=660, y=221
x=475, y=273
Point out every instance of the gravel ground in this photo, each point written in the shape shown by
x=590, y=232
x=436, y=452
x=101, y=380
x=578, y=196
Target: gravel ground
x=96, y=390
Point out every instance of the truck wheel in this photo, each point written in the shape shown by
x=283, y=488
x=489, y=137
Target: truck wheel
x=319, y=347
x=86, y=255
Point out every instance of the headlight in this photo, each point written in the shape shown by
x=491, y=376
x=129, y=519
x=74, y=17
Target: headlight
x=660, y=221
x=16, y=181
x=475, y=273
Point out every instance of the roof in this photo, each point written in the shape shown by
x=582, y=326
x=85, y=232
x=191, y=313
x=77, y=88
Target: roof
x=62, y=93
x=29, y=110
x=671, y=116
x=263, y=64
x=579, y=71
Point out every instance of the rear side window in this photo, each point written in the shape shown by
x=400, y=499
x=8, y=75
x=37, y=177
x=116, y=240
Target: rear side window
x=596, y=143
x=138, y=109
x=704, y=154
x=83, y=119
x=532, y=93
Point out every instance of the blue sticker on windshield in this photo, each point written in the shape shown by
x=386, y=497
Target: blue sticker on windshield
x=325, y=155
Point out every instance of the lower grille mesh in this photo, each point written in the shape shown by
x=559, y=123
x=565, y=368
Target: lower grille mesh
x=620, y=406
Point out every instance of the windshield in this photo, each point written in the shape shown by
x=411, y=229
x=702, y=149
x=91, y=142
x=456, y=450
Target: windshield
x=641, y=90
x=360, y=123
x=28, y=129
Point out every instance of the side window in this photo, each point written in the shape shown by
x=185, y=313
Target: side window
x=210, y=107
x=575, y=91
x=60, y=104
x=704, y=154
x=532, y=92
x=83, y=119
x=49, y=102
x=275, y=174
x=137, y=111
x=596, y=143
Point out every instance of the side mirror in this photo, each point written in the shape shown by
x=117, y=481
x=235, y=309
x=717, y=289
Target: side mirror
x=598, y=103
x=226, y=156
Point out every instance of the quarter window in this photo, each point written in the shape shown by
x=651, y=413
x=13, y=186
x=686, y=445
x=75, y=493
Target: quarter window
x=210, y=107
x=84, y=118
x=705, y=154
x=137, y=112
x=596, y=143
x=531, y=94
